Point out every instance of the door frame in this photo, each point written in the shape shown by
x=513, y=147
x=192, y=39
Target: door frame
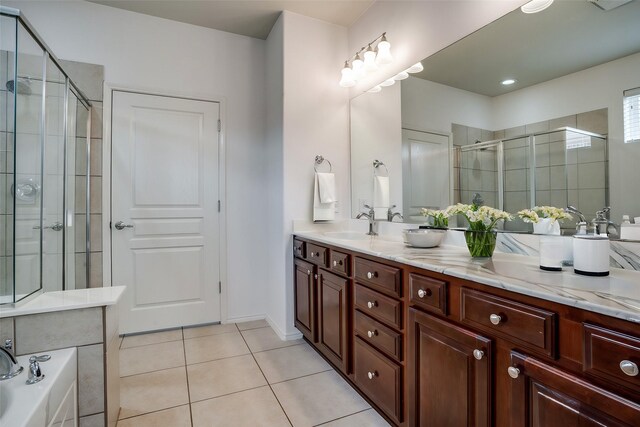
x=108, y=90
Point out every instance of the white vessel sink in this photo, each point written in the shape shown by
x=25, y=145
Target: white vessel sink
x=347, y=235
x=36, y=405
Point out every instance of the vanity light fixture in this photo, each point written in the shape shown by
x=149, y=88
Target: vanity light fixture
x=535, y=6
x=355, y=68
x=388, y=82
x=415, y=68
x=401, y=76
x=508, y=82
x=375, y=89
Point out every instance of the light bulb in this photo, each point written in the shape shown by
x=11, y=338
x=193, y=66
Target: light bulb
x=358, y=67
x=401, y=75
x=384, y=52
x=508, y=82
x=370, y=60
x=375, y=89
x=388, y=82
x=415, y=68
x=535, y=6
x=347, y=79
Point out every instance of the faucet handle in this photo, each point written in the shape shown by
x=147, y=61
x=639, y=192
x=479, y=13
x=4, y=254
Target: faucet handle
x=43, y=358
x=367, y=206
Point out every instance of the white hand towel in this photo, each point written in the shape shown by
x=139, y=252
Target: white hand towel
x=321, y=211
x=327, y=187
x=381, y=196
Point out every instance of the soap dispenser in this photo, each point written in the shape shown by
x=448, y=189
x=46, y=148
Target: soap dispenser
x=590, y=251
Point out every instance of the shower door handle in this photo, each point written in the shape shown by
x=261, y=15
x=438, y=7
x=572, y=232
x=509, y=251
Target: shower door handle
x=121, y=225
x=56, y=226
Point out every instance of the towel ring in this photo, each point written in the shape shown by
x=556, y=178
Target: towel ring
x=377, y=164
x=319, y=160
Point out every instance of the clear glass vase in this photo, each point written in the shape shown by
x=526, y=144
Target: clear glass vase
x=481, y=244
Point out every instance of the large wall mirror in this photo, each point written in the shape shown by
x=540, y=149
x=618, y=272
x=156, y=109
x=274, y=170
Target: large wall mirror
x=556, y=136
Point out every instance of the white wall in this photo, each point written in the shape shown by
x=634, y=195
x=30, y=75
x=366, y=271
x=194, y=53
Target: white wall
x=429, y=106
x=150, y=53
x=417, y=29
x=587, y=90
x=376, y=133
x=315, y=122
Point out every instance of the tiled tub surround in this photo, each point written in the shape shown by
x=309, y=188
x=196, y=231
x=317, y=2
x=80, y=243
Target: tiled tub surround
x=617, y=295
x=86, y=319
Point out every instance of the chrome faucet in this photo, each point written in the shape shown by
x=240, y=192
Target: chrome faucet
x=371, y=216
x=391, y=214
x=9, y=367
x=601, y=223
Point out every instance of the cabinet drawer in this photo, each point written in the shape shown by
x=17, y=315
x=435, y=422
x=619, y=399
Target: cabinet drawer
x=612, y=356
x=299, y=248
x=379, y=276
x=317, y=254
x=528, y=326
x=379, y=306
x=340, y=263
x=379, y=378
x=375, y=333
x=428, y=293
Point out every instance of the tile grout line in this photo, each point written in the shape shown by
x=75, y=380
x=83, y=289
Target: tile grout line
x=143, y=414
x=186, y=373
x=266, y=380
x=344, y=416
x=302, y=376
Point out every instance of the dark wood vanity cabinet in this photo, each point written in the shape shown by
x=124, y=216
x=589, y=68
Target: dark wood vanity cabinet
x=333, y=318
x=449, y=374
x=305, y=299
x=427, y=349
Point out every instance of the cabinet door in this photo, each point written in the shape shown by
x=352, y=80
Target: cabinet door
x=305, y=295
x=449, y=374
x=333, y=311
x=542, y=395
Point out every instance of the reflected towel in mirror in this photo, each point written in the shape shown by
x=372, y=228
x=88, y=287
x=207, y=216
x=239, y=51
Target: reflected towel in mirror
x=381, y=196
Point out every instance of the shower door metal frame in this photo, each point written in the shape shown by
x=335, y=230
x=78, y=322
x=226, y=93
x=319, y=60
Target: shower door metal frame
x=48, y=54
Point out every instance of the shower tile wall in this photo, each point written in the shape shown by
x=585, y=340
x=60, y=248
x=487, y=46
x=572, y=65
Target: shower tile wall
x=90, y=79
x=474, y=171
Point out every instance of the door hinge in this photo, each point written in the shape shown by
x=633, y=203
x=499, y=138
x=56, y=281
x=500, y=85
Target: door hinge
x=219, y=205
x=219, y=125
x=219, y=287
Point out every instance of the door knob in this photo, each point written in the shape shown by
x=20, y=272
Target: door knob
x=629, y=368
x=513, y=372
x=495, y=319
x=372, y=334
x=478, y=354
x=121, y=225
x=422, y=293
x=371, y=304
x=372, y=375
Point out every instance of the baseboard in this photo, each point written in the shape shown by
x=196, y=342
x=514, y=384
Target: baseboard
x=241, y=319
x=284, y=337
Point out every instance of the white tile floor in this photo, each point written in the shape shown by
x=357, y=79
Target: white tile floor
x=233, y=375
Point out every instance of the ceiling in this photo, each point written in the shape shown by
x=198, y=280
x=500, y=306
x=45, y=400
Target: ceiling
x=253, y=18
x=567, y=37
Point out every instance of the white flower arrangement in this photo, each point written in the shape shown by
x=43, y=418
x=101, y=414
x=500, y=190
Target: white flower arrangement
x=480, y=218
x=440, y=217
x=539, y=212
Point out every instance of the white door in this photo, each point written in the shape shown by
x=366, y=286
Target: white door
x=426, y=172
x=164, y=210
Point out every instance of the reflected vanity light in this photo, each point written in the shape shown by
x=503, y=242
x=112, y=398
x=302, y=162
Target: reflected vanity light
x=535, y=6
x=401, y=76
x=508, y=82
x=415, y=68
x=388, y=82
x=355, y=68
x=375, y=89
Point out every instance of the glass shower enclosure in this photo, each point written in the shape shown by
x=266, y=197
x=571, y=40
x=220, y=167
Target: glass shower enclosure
x=43, y=115
x=561, y=167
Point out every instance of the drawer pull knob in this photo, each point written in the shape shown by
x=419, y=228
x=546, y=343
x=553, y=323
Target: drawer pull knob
x=478, y=354
x=372, y=375
x=495, y=319
x=372, y=334
x=629, y=368
x=370, y=275
x=312, y=254
x=335, y=263
x=422, y=293
x=371, y=304
x=308, y=272
x=315, y=276
x=513, y=372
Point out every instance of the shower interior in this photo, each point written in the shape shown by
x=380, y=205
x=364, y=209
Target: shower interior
x=43, y=204
x=561, y=167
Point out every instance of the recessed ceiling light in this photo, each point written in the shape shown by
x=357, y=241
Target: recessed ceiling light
x=535, y=6
x=508, y=82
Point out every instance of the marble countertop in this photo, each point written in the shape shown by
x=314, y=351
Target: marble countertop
x=66, y=300
x=617, y=295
